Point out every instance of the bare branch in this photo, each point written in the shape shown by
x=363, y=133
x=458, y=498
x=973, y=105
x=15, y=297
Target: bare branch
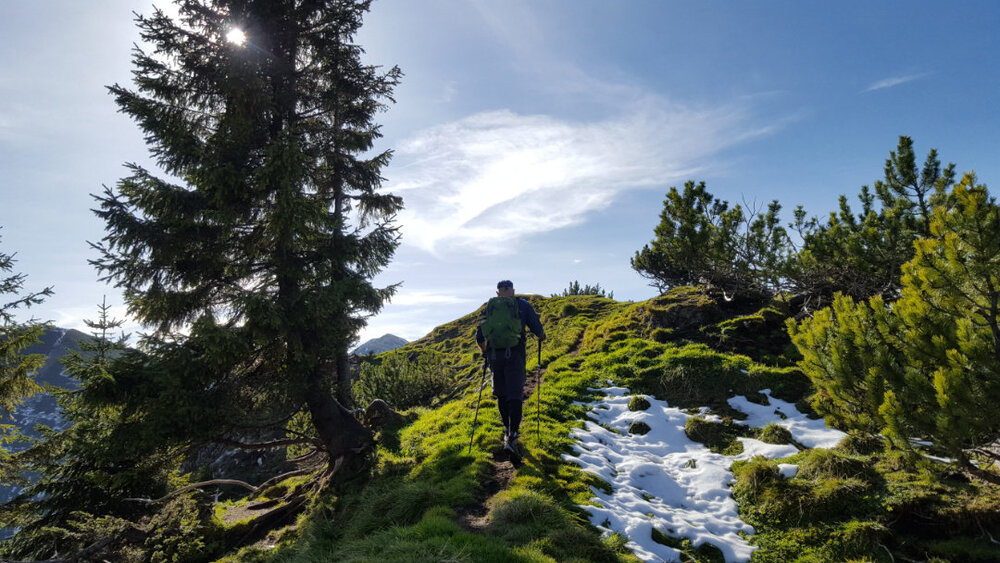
x=270, y=445
x=193, y=486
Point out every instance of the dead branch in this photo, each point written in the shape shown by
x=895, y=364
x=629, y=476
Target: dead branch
x=192, y=486
x=278, y=478
x=986, y=533
x=304, y=457
x=270, y=445
x=891, y=558
x=81, y=555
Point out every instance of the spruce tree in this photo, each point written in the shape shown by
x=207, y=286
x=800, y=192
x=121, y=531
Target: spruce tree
x=249, y=260
x=16, y=368
x=81, y=474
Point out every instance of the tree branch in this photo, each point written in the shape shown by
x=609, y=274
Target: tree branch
x=78, y=556
x=270, y=445
x=193, y=486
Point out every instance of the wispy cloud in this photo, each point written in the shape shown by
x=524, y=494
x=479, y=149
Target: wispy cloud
x=480, y=184
x=413, y=298
x=894, y=81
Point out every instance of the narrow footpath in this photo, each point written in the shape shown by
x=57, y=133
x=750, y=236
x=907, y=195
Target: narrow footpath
x=475, y=518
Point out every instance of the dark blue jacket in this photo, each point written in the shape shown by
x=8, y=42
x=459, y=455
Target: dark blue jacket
x=529, y=319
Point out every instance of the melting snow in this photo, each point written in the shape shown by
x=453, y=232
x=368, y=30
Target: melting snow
x=806, y=431
x=666, y=481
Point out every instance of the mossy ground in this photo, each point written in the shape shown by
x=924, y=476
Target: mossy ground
x=856, y=502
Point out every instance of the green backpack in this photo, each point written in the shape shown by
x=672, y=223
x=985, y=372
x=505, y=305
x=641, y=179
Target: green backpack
x=501, y=323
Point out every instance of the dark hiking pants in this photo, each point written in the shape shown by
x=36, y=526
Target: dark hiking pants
x=508, y=384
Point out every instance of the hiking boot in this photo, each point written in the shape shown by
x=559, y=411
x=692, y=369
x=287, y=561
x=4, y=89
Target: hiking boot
x=510, y=442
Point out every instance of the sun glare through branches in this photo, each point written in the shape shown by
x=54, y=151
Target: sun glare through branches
x=237, y=37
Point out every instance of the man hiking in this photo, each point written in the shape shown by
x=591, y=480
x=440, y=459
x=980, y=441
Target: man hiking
x=501, y=336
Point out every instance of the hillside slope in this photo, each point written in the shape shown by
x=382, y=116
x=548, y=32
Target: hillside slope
x=853, y=502
x=723, y=370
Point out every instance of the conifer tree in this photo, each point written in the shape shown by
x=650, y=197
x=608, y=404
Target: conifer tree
x=911, y=192
x=949, y=326
x=703, y=240
x=17, y=369
x=574, y=288
x=250, y=261
x=849, y=361
x=928, y=366
x=80, y=474
x=860, y=255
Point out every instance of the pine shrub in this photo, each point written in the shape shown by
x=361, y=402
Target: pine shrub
x=403, y=383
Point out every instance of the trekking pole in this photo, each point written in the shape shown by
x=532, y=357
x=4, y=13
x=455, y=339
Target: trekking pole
x=538, y=419
x=482, y=381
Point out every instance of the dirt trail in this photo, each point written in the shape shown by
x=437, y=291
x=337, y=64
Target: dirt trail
x=475, y=518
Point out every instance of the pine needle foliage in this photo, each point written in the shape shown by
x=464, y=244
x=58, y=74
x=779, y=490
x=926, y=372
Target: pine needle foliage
x=924, y=366
x=705, y=241
x=702, y=240
x=574, y=288
x=404, y=382
x=860, y=255
x=17, y=368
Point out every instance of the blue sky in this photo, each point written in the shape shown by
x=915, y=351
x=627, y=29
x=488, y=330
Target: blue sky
x=534, y=139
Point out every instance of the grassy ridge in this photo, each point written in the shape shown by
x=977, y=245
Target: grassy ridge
x=856, y=502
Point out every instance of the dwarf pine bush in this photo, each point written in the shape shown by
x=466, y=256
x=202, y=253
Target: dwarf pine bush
x=402, y=382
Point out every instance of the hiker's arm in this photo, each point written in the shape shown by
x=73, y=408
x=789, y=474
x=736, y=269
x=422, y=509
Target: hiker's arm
x=534, y=323
x=480, y=339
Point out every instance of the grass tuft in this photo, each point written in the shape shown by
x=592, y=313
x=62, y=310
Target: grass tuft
x=774, y=434
x=638, y=403
x=639, y=427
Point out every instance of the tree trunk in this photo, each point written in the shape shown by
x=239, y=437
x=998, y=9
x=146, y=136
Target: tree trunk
x=340, y=432
x=344, y=382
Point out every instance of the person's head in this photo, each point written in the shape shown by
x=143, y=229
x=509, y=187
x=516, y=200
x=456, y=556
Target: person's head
x=505, y=288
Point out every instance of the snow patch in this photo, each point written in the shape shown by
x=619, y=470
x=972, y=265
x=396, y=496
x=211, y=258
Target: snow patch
x=788, y=470
x=663, y=480
x=806, y=431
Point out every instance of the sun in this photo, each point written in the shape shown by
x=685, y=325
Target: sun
x=237, y=37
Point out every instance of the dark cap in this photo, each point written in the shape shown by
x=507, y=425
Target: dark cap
x=505, y=284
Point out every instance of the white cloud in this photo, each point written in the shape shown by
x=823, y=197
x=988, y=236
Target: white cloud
x=73, y=318
x=480, y=184
x=894, y=81
x=410, y=298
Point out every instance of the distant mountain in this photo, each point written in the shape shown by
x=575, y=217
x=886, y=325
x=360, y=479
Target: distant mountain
x=381, y=344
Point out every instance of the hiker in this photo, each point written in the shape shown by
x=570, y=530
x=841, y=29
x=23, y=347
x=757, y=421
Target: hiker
x=501, y=337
